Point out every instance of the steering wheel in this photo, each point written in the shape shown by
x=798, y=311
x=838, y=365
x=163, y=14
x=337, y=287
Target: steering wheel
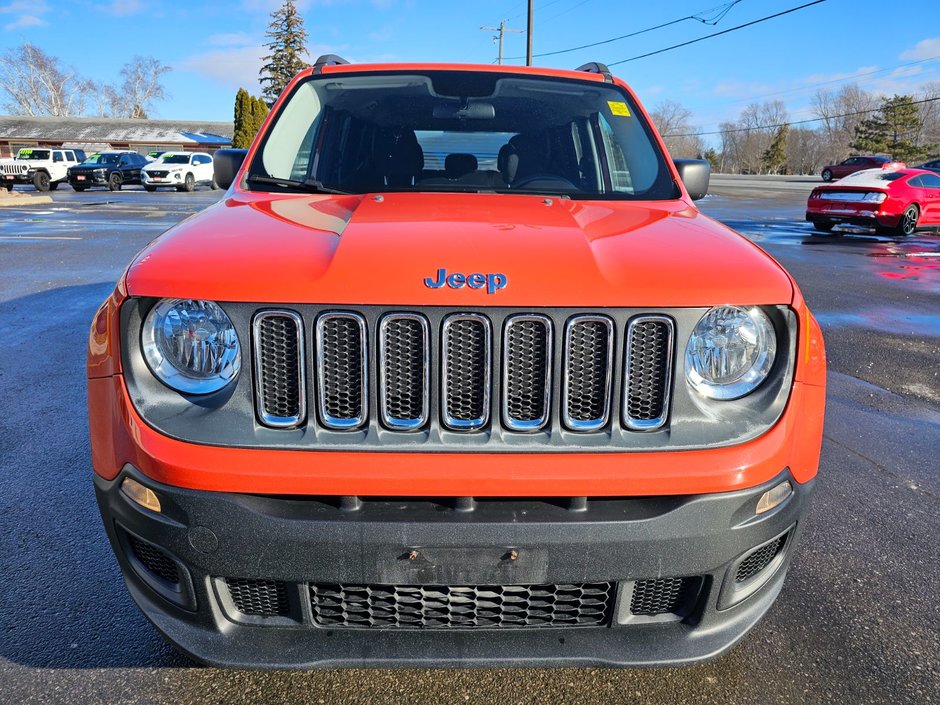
x=553, y=179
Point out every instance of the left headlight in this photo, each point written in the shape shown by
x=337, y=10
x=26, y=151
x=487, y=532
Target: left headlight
x=191, y=346
x=730, y=352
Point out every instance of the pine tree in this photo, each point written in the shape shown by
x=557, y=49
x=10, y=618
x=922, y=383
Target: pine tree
x=892, y=130
x=242, y=136
x=774, y=157
x=287, y=46
x=259, y=111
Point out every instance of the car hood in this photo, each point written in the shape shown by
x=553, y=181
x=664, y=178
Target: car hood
x=91, y=167
x=157, y=166
x=381, y=249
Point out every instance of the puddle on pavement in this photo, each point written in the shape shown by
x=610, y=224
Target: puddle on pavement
x=886, y=320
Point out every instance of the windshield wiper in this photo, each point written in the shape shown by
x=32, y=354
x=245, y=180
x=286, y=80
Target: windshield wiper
x=309, y=185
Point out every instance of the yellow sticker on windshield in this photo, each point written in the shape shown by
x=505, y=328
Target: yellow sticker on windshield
x=618, y=108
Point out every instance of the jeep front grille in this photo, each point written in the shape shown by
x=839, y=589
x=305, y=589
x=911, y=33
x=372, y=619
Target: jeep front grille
x=527, y=372
x=463, y=372
x=466, y=371
x=404, y=371
x=648, y=372
x=342, y=375
x=279, y=368
x=588, y=369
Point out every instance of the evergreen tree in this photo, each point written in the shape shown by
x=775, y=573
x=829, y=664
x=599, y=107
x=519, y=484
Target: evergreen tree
x=259, y=111
x=288, y=46
x=774, y=158
x=892, y=130
x=249, y=116
x=242, y=136
x=713, y=158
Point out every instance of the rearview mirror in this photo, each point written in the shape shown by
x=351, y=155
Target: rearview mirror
x=471, y=111
x=226, y=163
x=695, y=174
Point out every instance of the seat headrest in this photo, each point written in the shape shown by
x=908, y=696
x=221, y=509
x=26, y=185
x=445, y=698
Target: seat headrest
x=399, y=157
x=457, y=165
x=507, y=162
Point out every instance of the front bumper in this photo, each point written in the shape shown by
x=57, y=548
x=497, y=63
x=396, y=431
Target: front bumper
x=90, y=179
x=210, y=536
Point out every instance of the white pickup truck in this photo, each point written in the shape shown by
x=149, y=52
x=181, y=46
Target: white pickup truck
x=44, y=168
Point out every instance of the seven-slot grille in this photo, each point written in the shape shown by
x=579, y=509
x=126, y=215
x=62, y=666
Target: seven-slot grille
x=415, y=360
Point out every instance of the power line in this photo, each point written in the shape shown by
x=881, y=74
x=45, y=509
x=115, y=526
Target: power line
x=795, y=122
x=502, y=29
x=717, y=34
x=723, y=10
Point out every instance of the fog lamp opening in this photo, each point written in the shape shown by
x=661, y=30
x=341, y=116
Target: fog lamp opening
x=774, y=497
x=144, y=496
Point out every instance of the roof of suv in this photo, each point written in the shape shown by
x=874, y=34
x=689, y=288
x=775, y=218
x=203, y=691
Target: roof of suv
x=582, y=74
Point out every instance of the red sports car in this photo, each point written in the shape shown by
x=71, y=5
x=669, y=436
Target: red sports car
x=852, y=165
x=891, y=200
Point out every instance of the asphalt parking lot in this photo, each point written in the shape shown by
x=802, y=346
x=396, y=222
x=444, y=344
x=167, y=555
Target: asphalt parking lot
x=858, y=620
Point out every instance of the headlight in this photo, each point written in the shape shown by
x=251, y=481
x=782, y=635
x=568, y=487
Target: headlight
x=190, y=345
x=730, y=352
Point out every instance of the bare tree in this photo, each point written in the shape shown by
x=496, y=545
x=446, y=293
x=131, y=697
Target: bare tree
x=929, y=135
x=840, y=112
x=674, y=122
x=140, y=89
x=35, y=83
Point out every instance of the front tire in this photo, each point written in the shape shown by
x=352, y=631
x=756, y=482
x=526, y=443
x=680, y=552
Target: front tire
x=213, y=185
x=826, y=175
x=79, y=188
x=41, y=181
x=115, y=182
x=8, y=187
x=189, y=183
x=54, y=185
x=908, y=223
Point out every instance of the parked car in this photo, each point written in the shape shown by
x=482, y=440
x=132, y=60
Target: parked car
x=851, y=165
x=892, y=201
x=180, y=170
x=44, y=168
x=522, y=405
x=112, y=169
x=933, y=165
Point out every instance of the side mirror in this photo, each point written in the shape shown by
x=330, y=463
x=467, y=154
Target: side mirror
x=695, y=174
x=226, y=163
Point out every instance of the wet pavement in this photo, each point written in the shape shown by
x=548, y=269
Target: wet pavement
x=858, y=620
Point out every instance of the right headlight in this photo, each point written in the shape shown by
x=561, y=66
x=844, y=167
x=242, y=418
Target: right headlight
x=730, y=352
x=191, y=346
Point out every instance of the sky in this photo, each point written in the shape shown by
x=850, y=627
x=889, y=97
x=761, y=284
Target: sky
x=214, y=47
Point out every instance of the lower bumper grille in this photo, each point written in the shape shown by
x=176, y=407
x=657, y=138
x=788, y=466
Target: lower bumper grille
x=154, y=560
x=662, y=595
x=259, y=598
x=461, y=607
x=759, y=559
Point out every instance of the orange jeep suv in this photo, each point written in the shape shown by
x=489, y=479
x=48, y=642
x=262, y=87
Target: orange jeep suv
x=456, y=374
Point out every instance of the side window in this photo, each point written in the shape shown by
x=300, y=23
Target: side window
x=930, y=181
x=917, y=182
x=851, y=161
x=616, y=161
x=70, y=156
x=57, y=157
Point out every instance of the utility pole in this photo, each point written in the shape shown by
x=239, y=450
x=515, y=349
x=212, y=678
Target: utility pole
x=528, y=50
x=502, y=30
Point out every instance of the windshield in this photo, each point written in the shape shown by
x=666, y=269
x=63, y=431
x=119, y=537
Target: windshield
x=174, y=159
x=34, y=154
x=462, y=131
x=102, y=159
